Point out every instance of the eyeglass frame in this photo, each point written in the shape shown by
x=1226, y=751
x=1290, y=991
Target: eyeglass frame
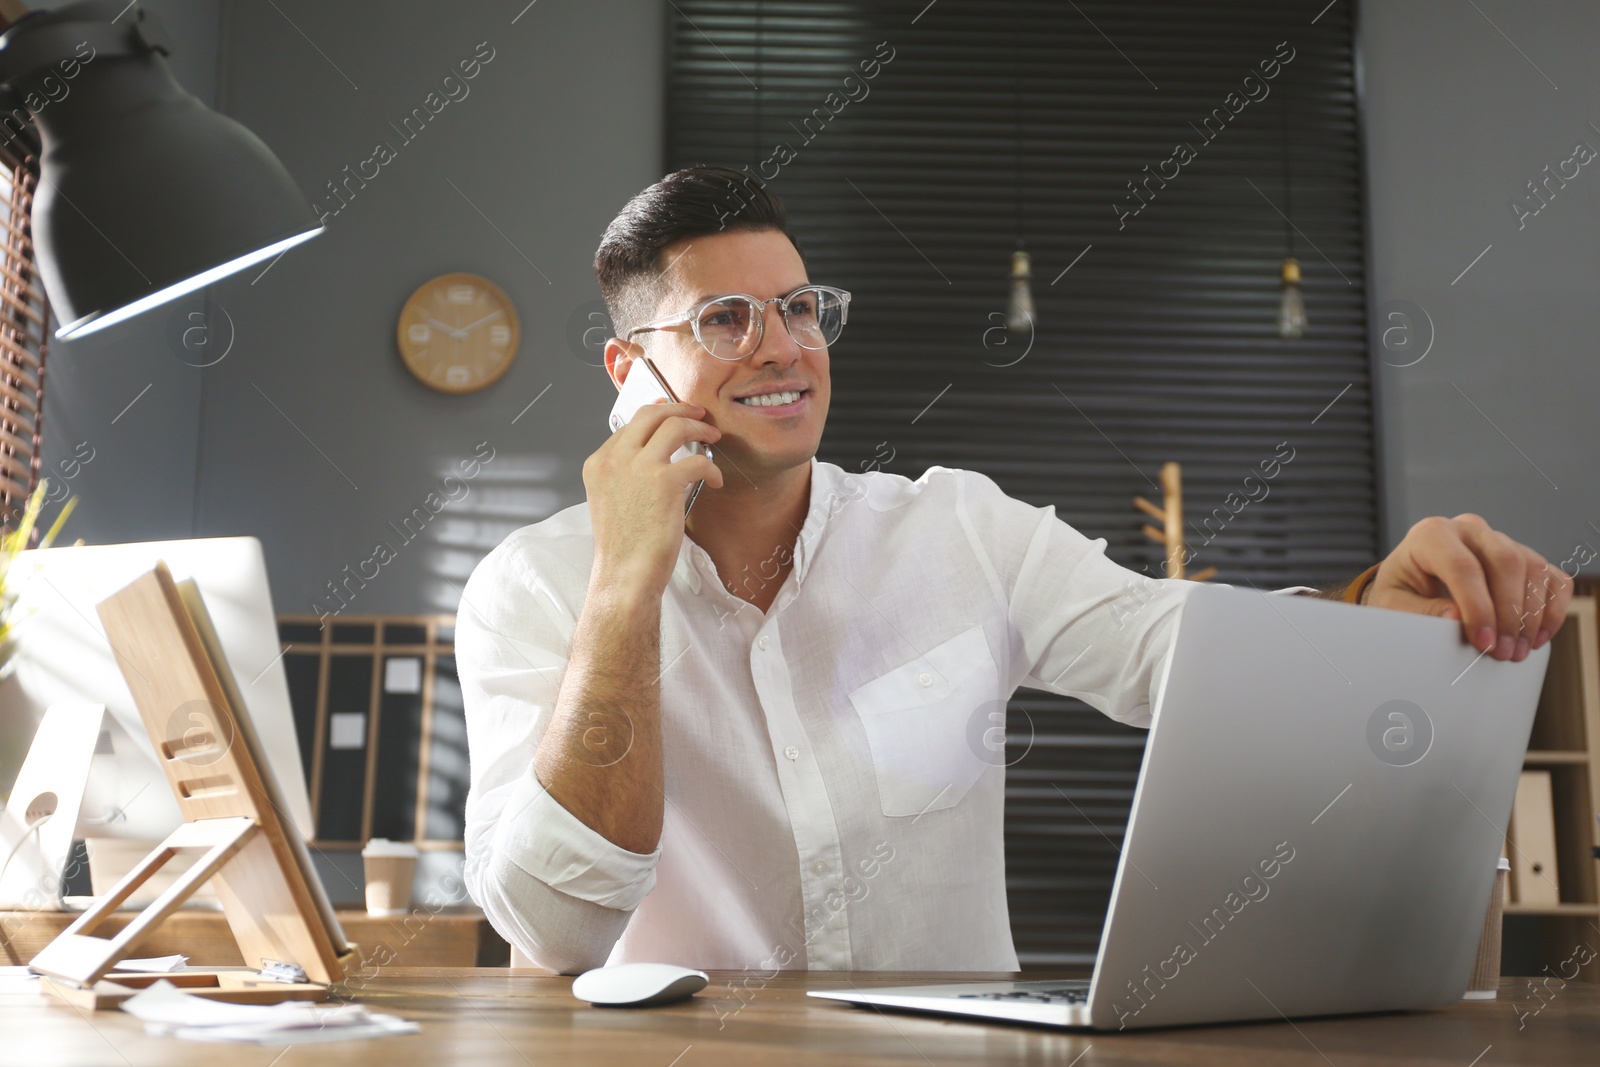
x=692, y=316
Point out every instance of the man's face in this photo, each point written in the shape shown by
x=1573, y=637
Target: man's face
x=756, y=440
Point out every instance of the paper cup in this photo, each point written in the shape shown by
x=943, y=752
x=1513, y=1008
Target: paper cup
x=1485, y=984
x=390, y=867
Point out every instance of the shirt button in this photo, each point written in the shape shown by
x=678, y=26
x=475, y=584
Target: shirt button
x=819, y=867
x=792, y=752
x=762, y=642
x=924, y=679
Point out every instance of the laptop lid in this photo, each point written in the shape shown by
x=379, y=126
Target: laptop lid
x=1322, y=804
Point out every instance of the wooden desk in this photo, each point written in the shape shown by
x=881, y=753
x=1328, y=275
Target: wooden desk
x=524, y=1017
x=454, y=937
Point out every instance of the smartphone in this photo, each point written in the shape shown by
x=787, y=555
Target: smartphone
x=644, y=385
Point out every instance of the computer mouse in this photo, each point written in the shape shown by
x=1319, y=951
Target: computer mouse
x=638, y=985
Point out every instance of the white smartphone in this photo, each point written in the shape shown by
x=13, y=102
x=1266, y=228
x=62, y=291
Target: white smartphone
x=644, y=385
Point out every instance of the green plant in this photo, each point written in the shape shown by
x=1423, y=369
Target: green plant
x=13, y=542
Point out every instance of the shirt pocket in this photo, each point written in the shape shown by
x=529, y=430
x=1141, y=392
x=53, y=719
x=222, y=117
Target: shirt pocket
x=918, y=720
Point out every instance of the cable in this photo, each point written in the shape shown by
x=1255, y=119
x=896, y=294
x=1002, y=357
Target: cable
x=118, y=812
x=755, y=132
x=32, y=829
x=1288, y=183
x=1016, y=130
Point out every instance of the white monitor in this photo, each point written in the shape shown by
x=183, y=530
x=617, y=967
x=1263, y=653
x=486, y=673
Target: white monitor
x=63, y=656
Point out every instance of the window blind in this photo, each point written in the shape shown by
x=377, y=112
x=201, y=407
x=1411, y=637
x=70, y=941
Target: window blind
x=914, y=143
x=24, y=319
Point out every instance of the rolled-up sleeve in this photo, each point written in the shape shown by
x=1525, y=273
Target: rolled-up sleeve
x=552, y=886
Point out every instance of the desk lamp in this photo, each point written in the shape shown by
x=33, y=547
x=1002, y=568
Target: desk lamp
x=145, y=194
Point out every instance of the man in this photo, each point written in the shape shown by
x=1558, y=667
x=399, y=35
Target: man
x=754, y=739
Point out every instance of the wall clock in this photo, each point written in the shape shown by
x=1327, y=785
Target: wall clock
x=458, y=333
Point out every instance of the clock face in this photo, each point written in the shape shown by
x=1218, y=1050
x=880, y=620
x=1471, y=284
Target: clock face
x=458, y=333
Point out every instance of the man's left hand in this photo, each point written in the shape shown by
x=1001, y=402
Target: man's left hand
x=1508, y=598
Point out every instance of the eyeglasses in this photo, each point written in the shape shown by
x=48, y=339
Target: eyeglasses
x=731, y=327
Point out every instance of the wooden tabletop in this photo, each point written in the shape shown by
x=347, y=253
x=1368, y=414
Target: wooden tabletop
x=487, y=1017
x=450, y=937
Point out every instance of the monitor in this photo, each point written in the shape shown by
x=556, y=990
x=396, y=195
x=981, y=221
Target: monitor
x=62, y=656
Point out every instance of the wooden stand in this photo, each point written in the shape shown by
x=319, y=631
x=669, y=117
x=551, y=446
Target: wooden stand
x=236, y=985
x=235, y=819
x=1170, y=515
x=80, y=957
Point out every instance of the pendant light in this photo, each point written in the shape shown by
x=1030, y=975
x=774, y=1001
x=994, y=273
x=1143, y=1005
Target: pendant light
x=1291, y=307
x=1019, y=307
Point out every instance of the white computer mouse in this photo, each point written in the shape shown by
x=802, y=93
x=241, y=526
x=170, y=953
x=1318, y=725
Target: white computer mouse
x=638, y=985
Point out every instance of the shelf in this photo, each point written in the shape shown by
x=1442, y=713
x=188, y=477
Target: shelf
x=1564, y=743
x=1592, y=910
x=1545, y=757
x=383, y=751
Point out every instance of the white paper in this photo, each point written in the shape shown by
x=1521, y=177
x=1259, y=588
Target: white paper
x=402, y=674
x=174, y=962
x=376, y=1026
x=18, y=982
x=164, y=1003
x=347, y=729
x=168, y=1011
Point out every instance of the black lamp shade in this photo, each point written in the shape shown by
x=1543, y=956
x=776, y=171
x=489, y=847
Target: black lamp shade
x=144, y=193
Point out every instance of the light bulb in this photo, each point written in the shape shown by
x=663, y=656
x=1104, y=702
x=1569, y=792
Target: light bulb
x=1291, y=308
x=1019, y=309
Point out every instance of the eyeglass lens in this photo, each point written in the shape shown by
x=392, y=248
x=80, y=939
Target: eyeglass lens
x=731, y=327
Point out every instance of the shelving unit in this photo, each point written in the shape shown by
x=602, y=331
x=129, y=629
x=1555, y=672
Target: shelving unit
x=384, y=756
x=1566, y=742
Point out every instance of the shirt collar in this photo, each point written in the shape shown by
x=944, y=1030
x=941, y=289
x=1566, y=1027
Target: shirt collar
x=685, y=570
x=827, y=496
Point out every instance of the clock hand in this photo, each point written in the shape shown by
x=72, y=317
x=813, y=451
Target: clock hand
x=453, y=331
x=474, y=325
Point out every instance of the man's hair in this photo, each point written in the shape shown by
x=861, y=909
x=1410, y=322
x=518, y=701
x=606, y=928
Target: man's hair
x=699, y=201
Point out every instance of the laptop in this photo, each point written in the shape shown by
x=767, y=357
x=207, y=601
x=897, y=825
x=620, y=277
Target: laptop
x=1315, y=830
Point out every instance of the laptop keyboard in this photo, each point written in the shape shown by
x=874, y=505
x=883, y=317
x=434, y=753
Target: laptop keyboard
x=1065, y=994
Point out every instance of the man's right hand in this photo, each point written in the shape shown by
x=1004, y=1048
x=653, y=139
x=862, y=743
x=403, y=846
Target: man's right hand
x=636, y=494
x=600, y=758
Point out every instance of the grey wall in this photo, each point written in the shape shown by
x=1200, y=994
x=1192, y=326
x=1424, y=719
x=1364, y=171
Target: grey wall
x=1499, y=417
x=309, y=433
x=565, y=122
x=314, y=436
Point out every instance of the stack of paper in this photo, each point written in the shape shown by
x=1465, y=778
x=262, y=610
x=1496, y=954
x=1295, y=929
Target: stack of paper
x=170, y=1012
x=148, y=964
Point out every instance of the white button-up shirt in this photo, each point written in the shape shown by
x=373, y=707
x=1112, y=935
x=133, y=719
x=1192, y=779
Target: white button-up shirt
x=834, y=767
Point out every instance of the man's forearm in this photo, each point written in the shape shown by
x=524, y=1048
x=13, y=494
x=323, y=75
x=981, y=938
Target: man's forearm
x=601, y=757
